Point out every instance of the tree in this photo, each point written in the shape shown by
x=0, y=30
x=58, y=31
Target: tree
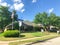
x=41, y=18
x=58, y=22
x=47, y=20
x=5, y=16
x=53, y=19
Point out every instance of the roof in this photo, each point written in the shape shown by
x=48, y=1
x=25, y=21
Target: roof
x=27, y=23
x=20, y=20
x=32, y=24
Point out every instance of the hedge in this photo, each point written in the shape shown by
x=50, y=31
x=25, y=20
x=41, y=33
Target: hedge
x=11, y=33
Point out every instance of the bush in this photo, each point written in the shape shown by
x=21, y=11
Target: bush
x=11, y=33
x=36, y=28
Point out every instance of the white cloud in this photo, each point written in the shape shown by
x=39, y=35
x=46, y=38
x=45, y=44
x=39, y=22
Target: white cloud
x=22, y=10
x=4, y=4
x=0, y=0
x=18, y=6
x=33, y=1
x=50, y=10
x=17, y=1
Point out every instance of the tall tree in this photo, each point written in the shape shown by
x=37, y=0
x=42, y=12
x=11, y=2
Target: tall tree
x=5, y=16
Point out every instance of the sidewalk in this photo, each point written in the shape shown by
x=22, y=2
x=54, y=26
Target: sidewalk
x=55, y=41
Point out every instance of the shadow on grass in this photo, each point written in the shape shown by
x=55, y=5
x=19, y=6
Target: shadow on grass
x=22, y=35
x=15, y=36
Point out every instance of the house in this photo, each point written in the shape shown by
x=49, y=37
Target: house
x=25, y=26
x=30, y=26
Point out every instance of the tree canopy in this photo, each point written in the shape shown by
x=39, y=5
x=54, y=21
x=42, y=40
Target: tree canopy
x=41, y=18
x=5, y=16
x=47, y=19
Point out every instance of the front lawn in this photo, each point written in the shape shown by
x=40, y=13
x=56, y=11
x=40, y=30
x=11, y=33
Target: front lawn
x=43, y=38
x=34, y=34
x=23, y=36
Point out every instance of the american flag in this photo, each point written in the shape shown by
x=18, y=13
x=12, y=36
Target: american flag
x=12, y=16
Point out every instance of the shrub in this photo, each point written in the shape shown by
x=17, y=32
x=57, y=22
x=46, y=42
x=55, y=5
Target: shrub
x=11, y=33
x=36, y=28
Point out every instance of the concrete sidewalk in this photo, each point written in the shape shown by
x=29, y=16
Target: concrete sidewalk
x=55, y=41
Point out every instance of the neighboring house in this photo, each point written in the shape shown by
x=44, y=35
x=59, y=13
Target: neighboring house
x=53, y=28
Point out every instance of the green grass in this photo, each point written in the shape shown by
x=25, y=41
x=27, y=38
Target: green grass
x=25, y=36
x=34, y=34
x=35, y=40
x=1, y=34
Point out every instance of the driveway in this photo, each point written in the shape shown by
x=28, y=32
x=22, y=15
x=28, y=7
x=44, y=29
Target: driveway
x=55, y=41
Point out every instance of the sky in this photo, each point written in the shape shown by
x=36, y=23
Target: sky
x=27, y=9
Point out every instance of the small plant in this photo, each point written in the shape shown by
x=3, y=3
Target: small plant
x=11, y=33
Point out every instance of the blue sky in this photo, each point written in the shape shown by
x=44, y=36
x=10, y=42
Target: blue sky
x=27, y=9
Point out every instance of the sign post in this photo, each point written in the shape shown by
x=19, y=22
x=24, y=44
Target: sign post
x=20, y=24
x=57, y=32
